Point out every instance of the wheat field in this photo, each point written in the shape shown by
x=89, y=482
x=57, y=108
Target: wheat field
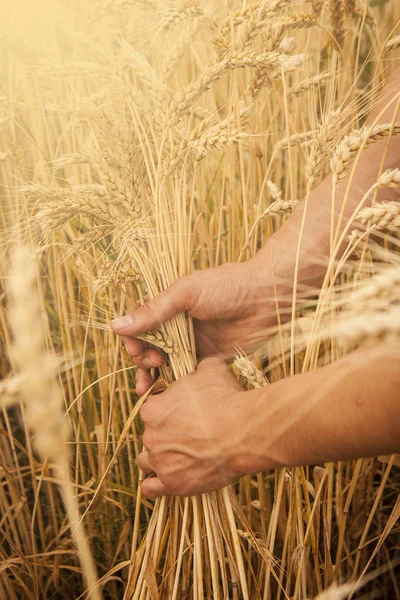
x=142, y=141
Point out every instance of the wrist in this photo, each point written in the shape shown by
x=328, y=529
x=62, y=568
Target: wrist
x=251, y=453
x=273, y=272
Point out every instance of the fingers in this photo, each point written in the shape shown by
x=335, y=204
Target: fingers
x=174, y=300
x=143, y=357
x=144, y=463
x=152, y=487
x=143, y=382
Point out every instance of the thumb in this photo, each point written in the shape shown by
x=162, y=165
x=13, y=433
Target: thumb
x=152, y=487
x=176, y=299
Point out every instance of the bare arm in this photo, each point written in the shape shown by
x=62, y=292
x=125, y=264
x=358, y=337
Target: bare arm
x=349, y=409
x=234, y=305
x=205, y=431
x=315, y=248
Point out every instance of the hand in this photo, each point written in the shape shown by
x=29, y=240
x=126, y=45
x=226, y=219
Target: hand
x=199, y=433
x=232, y=305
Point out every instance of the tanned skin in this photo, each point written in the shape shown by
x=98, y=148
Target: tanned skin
x=205, y=431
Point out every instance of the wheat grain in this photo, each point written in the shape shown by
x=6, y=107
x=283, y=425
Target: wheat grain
x=305, y=137
x=175, y=53
x=392, y=44
x=350, y=6
x=43, y=402
x=160, y=339
x=142, y=69
x=54, y=214
x=317, y=6
x=239, y=17
x=209, y=135
x=364, y=10
x=186, y=9
x=265, y=76
x=70, y=159
x=212, y=73
x=114, y=273
x=248, y=369
x=354, y=241
x=274, y=191
x=390, y=178
x=42, y=398
x=259, y=19
x=336, y=18
x=278, y=207
x=381, y=215
x=347, y=149
x=308, y=84
x=320, y=144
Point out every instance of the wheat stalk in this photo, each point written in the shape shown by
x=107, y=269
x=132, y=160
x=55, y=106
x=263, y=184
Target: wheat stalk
x=42, y=398
x=336, y=18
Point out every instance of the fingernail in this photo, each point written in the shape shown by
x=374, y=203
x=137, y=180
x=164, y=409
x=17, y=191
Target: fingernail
x=148, y=363
x=122, y=322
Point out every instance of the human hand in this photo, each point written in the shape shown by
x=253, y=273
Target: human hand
x=198, y=434
x=232, y=305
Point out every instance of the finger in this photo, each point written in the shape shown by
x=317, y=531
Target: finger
x=143, y=381
x=152, y=487
x=177, y=298
x=144, y=463
x=143, y=357
x=133, y=346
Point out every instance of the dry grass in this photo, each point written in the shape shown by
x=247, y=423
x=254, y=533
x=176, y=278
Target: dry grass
x=142, y=141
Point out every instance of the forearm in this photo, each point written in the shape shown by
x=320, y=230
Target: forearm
x=280, y=252
x=346, y=410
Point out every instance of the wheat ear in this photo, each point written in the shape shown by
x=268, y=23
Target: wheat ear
x=42, y=398
x=248, y=369
x=381, y=215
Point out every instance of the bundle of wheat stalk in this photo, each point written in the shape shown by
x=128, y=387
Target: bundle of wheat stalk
x=142, y=141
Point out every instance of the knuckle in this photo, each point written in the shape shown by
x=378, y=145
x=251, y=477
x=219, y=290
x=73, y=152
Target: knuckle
x=147, y=311
x=147, y=439
x=149, y=410
x=140, y=460
x=145, y=412
x=149, y=307
x=185, y=291
x=170, y=483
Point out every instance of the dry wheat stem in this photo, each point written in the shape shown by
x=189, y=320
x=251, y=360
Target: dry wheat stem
x=115, y=143
x=41, y=397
